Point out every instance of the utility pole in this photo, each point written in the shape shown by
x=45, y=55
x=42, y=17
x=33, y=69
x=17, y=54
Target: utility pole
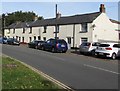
x=3, y=24
x=56, y=22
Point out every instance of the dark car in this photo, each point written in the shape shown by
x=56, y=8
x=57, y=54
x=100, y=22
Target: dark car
x=12, y=41
x=55, y=45
x=3, y=40
x=34, y=44
x=40, y=44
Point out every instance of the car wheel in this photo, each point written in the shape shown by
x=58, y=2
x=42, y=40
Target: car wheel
x=113, y=56
x=53, y=50
x=93, y=52
x=36, y=47
x=42, y=48
x=64, y=51
x=96, y=55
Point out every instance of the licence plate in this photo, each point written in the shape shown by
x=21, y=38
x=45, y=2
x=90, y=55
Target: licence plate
x=101, y=54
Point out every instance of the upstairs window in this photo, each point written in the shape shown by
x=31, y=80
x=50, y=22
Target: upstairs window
x=14, y=30
x=45, y=28
x=8, y=31
x=23, y=30
x=84, y=28
x=30, y=30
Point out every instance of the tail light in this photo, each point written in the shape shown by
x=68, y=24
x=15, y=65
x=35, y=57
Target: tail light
x=108, y=48
x=57, y=45
x=89, y=45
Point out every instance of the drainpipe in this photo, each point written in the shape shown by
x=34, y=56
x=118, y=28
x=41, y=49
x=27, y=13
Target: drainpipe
x=73, y=35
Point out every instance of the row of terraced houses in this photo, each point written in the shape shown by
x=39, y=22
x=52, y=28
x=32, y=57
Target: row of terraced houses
x=91, y=27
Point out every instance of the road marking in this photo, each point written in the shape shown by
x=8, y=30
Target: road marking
x=101, y=69
x=52, y=56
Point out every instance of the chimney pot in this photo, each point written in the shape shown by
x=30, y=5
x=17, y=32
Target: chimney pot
x=102, y=8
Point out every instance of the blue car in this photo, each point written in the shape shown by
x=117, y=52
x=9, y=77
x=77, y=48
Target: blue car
x=12, y=41
x=55, y=45
x=3, y=40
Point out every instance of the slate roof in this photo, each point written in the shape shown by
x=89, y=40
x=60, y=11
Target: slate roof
x=12, y=25
x=19, y=25
x=22, y=24
x=76, y=19
x=114, y=21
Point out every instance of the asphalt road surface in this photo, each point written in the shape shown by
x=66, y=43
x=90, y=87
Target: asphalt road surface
x=76, y=71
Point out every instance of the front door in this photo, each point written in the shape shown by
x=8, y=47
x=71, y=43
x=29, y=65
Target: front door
x=69, y=42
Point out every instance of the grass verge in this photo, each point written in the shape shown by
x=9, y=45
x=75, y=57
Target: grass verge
x=17, y=76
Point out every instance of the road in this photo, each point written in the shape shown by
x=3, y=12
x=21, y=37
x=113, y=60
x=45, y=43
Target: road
x=76, y=71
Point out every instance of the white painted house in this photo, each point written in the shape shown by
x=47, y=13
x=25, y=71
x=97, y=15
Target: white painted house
x=91, y=27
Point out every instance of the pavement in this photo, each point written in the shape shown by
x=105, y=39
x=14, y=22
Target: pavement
x=74, y=70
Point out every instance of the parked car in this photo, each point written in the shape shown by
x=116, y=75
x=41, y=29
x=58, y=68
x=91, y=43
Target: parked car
x=55, y=45
x=89, y=48
x=3, y=40
x=108, y=50
x=34, y=44
x=13, y=41
x=40, y=44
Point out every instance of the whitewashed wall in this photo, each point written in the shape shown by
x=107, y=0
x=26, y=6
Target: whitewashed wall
x=104, y=29
x=49, y=32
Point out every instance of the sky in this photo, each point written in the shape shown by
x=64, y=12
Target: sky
x=47, y=9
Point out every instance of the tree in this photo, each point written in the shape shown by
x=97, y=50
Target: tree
x=20, y=16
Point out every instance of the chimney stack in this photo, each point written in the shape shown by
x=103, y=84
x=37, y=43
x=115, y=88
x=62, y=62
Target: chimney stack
x=35, y=18
x=102, y=8
x=58, y=15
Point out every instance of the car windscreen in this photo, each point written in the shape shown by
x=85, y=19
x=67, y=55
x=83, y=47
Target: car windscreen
x=116, y=45
x=85, y=44
x=61, y=41
x=104, y=45
x=15, y=40
x=5, y=38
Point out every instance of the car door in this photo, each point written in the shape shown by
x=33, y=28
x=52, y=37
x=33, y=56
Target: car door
x=116, y=48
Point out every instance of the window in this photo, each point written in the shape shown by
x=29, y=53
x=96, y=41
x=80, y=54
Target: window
x=44, y=38
x=22, y=39
x=16, y=37
x=34, y=37
x=69, y=40
x=19, y=39
x=45, y=28
x=116, y=45
x=30, y=39
x=30, y=30
x=14, y=30
x=83, y=28
x=23, y=30
x=39, y=38
x=119, y=36
x=84, y=40
x=9, y=31
x=96, y=44
x=58, y=29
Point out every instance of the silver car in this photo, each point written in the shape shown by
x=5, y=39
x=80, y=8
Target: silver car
x=87, y=47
